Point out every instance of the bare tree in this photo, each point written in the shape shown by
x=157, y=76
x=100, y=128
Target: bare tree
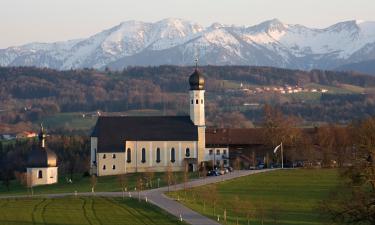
x=260, y=212
x=149, y=174
x=168, y=177
x=186, y=175
x=139, y=187
x=122, y=179
x=274, y=213
x=237, y=208
x=237, y=163
x=93, y=181
x=248, y=210
x=354, y=202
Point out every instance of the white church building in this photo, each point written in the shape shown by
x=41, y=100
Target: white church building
x=41, y=164
x=128, y=144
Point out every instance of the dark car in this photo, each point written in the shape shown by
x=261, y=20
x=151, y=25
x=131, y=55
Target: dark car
x=260, y=166
x=213, y=173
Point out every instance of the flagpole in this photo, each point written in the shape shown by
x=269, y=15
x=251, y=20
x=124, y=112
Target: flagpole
x=282, y=156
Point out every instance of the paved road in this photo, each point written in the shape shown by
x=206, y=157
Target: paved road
x=158, y=198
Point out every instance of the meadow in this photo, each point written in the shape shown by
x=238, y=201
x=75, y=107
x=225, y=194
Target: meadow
x=82, y=211
x=103, y=184
x=282, y=197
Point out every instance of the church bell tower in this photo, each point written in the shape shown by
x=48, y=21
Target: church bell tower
x=196, y=93
x=197, y=116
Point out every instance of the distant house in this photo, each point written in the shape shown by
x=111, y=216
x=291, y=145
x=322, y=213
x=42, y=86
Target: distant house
x=8, y=137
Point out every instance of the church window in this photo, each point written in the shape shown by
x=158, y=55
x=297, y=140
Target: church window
x=40, y=174
x=158, y=155
x=196, y=101
x=113, y=156
x=173, y=155
x=113, y=167
x=104, y=156
x=128, y=156
x=104, y=167
x=143, y=155
x=187, y=152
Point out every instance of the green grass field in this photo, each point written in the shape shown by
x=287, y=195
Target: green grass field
x=279, y=197
x=83, y=184
x=82, y=210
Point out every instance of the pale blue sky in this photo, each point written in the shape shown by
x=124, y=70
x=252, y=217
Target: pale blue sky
x=23, y=21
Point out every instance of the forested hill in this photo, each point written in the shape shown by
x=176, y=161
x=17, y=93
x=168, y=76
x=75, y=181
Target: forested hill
x=234, y=93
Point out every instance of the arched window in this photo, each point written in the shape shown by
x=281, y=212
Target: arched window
x=104, y=167
x=104, y=156
x=40, y=174
x=113, y=167
x=187, y=152
x=113, y=156
x=143, y=155
x=196, y=101
x=158, y=155
x=173, y=155
x=128, y=155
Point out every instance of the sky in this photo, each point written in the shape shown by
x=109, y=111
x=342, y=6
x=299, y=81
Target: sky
x=25, y=21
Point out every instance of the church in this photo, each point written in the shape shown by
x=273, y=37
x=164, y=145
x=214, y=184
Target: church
x=128, y=144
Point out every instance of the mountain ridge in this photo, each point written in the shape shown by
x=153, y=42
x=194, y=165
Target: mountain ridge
x=177, y=42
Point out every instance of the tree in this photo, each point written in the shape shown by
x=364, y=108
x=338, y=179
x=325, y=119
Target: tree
x=237, y=208
x=274, y=214
x=122, y=179
x=186, y=175
x=249, y=210
x=168, y=177
x=93, y=181
x=354, y=202
x=149, y=175
x=139, y=186
x=260, y=212
x=237, y=163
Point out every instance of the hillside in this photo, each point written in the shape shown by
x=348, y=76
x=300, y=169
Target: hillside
x=70, y=101
x=367, y=67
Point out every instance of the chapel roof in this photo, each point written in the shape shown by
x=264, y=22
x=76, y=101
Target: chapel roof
x=113, y=131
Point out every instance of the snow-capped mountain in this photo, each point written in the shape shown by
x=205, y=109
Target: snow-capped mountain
x=178, y=42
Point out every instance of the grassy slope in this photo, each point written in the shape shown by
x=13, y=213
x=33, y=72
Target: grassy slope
x=79, y=211
x=291, y=195
x=83, y=184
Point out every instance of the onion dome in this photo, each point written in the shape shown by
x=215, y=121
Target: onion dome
x=40, y=155
x=196, y=80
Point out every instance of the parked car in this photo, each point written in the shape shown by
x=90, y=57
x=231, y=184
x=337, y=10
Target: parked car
x=230, y=169
x=260, y=166
x=213, y=173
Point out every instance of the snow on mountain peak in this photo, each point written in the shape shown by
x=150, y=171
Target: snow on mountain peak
x=269, y=43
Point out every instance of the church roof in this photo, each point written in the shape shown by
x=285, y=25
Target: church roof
x=41, y=157
x=113, y=131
